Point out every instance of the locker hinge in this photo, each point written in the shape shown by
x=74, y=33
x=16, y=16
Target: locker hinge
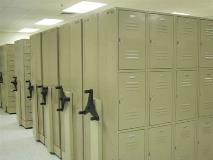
x=175, y=148
x=119, y=40
x=150, y=41
x=178, y=42
x=149, y=154
x=150, y=99
x=119, y=101
x=198, y=142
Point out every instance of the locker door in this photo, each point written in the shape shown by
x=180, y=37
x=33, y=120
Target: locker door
x=205, y=138
x=77, y=87
x=90, y=73
x=185, y=141
x=66, y=122
x=132, y=145
x=186, y=95
x=161, y=41
x=206, y=92
x=187, y=42
x=37, y=75
x=206, y=53
x=160, y=143
x=160, y=97
x=50, y=80
x=132, y=40
x=132, y=100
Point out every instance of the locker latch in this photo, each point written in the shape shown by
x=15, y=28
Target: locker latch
x=1, y=77
x=30, y=88
x=90, y=107
x=44, y=92
x=14, y=82
x=62, y=98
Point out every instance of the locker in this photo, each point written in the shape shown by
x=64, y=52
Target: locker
x=132, y=100
x=206, y=90
x=161, y=94
x=185, y=141
x=161, y=41
x=186, y=95
x=187, y=42
x=206, y=50
x=205, y=139
x=132, y=145
x=160, y=143
x=132, y=40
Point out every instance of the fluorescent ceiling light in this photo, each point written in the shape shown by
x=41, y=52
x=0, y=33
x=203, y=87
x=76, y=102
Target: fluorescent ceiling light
x=83, y=7
x=49, y=22
x=180, y=13
x=28, y=30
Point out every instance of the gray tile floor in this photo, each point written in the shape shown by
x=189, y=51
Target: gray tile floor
x=17, y=143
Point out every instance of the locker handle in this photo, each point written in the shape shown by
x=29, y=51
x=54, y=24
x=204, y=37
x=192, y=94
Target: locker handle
x=30, y=88
x=90, y=107
x=44, y=92
x=63, y=99
x=1, y=77
x=14, y=82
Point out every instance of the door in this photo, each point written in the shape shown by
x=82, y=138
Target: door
x=187, y=42
x=206, y=50
x=132, y=100
x=185, y=141
x=37, y=75
x=161, y=95
x=160, y=143
x=186, y=100
x=161, y=41
x=205, y=139
x=132, y=40
x=206, y=92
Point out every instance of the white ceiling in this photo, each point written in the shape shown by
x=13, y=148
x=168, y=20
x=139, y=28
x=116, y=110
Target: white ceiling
x=17, y=14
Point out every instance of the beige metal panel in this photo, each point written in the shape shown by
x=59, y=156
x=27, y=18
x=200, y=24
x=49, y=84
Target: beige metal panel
x=205, y=138
x=76, y=83
x=206, y=51
x=161, y=95
x=132, y=145
x=161, y=41
x=186, y=95
x=160, y=143
x=132, y=100
x=206, y=92
x=185, y=141
x=187, y=42
x=132, y=40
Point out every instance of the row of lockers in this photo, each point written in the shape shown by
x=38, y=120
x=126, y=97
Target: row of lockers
x=182, y=141
x=168, y=41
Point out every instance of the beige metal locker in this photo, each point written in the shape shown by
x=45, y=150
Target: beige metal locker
x=161, y=95
x=206, y=92
x=37, y=81
x=206, y=50
x=187, y=42
x=185, y=141
x=205, y=139
x=132, y=40
x=160, y=143
x=186, y=95
x=161, y=35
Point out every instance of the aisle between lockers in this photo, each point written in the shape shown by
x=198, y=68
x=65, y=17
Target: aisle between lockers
x=17, y=143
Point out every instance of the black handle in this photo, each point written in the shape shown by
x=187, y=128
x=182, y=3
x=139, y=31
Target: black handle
x=1, y=77
x=90, y=107
x=30, y=88
x=14, y=82
x=62, y=98
x=44, y=92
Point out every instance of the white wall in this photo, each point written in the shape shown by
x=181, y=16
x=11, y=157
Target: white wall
x=7, y=37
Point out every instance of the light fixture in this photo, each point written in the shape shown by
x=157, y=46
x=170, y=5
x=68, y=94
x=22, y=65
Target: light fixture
x=48, y=22
x=180, y=13
x=84, y=7
x=28, y=30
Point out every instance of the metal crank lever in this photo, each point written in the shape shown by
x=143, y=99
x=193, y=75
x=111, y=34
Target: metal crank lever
x=44, y=92
x=62, y=98
x=90, y=107
x=1, y=77
x=14, y=82
x=30, y=88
